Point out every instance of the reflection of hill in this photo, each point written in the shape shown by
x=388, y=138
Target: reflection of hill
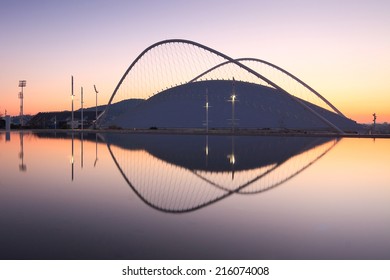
x=189, y=151
x=174, y=173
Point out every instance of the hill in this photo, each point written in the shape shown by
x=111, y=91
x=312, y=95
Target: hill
x=256, y=107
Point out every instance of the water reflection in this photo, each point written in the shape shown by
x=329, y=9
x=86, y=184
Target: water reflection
x=22, y=166
x=72, y=158
x=82, y=149
x=178, y=174
x=289, y=198
x=96, y=150
x=181, y=173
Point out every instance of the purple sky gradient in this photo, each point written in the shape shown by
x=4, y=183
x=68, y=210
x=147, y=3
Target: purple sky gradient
x=340, y=48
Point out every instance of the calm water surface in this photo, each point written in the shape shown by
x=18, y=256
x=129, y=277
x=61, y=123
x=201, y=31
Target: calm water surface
x=119, y=196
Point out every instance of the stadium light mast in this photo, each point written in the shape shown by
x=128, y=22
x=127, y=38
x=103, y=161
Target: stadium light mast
x=22, y=84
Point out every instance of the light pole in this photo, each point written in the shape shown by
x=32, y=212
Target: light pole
x=82, y=110
x=22, y=84
x=233, y=117
x=233, y=99
x=96, y=92
x=82, y=128
x=207, y=106
x=72, y=106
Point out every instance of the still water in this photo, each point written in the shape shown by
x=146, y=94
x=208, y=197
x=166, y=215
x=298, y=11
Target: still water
x=120, y=196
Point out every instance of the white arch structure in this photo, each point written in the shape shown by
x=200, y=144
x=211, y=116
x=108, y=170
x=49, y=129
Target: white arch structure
x=279, y=69
x=240, y=64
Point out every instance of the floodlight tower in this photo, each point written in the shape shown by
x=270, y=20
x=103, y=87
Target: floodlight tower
x=374, y=120
x=22, y=84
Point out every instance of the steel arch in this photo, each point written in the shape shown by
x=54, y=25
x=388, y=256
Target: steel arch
x=278, y=68
x=229, y=59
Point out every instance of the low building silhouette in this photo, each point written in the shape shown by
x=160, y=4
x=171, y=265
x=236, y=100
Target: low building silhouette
x=61, y=120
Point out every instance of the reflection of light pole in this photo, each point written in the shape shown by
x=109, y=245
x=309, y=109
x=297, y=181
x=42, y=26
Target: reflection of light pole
x=82, y=149
x=72, y=158
x=207, y=150
x=22, y=166
x=22, y=84
x=232, y=158
x=207, y=145
x=96, y=92
x=96, y=155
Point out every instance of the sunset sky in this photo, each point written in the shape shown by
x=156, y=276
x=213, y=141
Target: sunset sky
x=340, y=48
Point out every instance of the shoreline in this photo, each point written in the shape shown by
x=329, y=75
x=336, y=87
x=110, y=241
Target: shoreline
x=222, y=132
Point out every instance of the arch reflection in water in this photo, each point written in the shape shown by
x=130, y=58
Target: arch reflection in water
x=178, y=173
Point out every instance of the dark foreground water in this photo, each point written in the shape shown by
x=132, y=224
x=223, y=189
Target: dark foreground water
x=118, y=196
